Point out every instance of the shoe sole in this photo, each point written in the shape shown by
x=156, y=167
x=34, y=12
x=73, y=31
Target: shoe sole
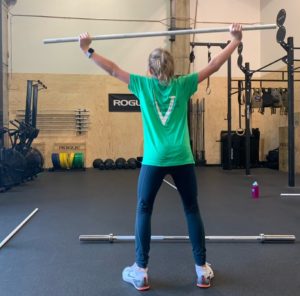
x=204, y=286
x=130, y=281
x=139, y=288
x=143, y=288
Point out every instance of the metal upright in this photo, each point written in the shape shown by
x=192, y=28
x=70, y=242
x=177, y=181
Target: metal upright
x=28, y=102
x=291, y=123
x=229, y=94
x=248, y=76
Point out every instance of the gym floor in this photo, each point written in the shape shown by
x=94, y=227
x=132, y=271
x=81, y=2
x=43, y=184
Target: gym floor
x=46, y=258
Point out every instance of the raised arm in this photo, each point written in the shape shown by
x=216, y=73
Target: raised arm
x=215, y=64
x=110, y=67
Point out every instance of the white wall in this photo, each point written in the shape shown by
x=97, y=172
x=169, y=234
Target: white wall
x=269, y=10
x=28, y=54
x=228, y=11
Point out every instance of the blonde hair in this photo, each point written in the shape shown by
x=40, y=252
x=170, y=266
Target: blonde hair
x=161, y=65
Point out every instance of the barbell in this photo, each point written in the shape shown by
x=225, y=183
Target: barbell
x=161, y=33
x=263, y=238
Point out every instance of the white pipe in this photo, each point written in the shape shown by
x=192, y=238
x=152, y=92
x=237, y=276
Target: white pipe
x=289, y=194
x=162, y=33
x=17, y=229
x=173, y=186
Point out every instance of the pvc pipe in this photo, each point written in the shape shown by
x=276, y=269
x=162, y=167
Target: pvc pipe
x=264, y=238
x=162, y=33
x=173, y=186
x=17, y=228
x=289, y=194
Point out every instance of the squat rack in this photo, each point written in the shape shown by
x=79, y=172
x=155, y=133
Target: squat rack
x=248, y=87
x=289, y=60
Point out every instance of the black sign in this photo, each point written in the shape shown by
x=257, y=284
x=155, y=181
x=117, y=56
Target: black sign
x=123, y=103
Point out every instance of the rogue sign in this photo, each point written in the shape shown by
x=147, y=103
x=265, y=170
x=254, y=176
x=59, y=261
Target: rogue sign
x=123, y=103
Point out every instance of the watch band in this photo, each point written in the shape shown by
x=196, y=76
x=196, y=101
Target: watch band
x=90, y=52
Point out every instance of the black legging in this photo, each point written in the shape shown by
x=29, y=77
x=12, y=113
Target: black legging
x=150, y=180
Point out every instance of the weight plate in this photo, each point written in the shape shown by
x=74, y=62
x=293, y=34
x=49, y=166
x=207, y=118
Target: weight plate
x=281, y=16
x=280, y=36
x=55, y=160
x=70, y=160
x=63, y=160
x=78, y=162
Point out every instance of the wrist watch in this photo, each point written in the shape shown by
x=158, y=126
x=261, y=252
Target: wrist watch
x=90, y=52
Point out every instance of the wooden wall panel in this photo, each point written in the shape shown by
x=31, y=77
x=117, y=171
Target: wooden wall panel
x=283, y=149
x=113, y=135
x=110, y=135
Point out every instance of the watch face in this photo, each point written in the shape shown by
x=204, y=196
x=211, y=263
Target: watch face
x=90, y=52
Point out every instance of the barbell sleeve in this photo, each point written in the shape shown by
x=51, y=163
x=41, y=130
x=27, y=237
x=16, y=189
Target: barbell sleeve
x=161, y=33
x=263, y=238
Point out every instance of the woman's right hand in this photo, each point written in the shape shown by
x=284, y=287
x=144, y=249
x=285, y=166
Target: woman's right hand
x=236, y=31
x=85, y=41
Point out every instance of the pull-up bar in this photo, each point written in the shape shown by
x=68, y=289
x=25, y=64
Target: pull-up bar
x=263, y=238
x=162, y=33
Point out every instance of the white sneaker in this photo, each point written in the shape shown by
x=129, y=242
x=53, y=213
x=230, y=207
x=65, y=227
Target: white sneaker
x=136, y=276
x=204, y=275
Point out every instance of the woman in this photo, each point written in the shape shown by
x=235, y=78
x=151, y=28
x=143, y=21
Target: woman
x=164, y=102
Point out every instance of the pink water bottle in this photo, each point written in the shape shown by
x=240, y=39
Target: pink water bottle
x=255, y=190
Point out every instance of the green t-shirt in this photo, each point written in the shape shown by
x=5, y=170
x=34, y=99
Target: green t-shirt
x=164, y=114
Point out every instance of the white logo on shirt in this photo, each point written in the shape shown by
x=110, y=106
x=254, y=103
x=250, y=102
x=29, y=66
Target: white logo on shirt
x=164, y=118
